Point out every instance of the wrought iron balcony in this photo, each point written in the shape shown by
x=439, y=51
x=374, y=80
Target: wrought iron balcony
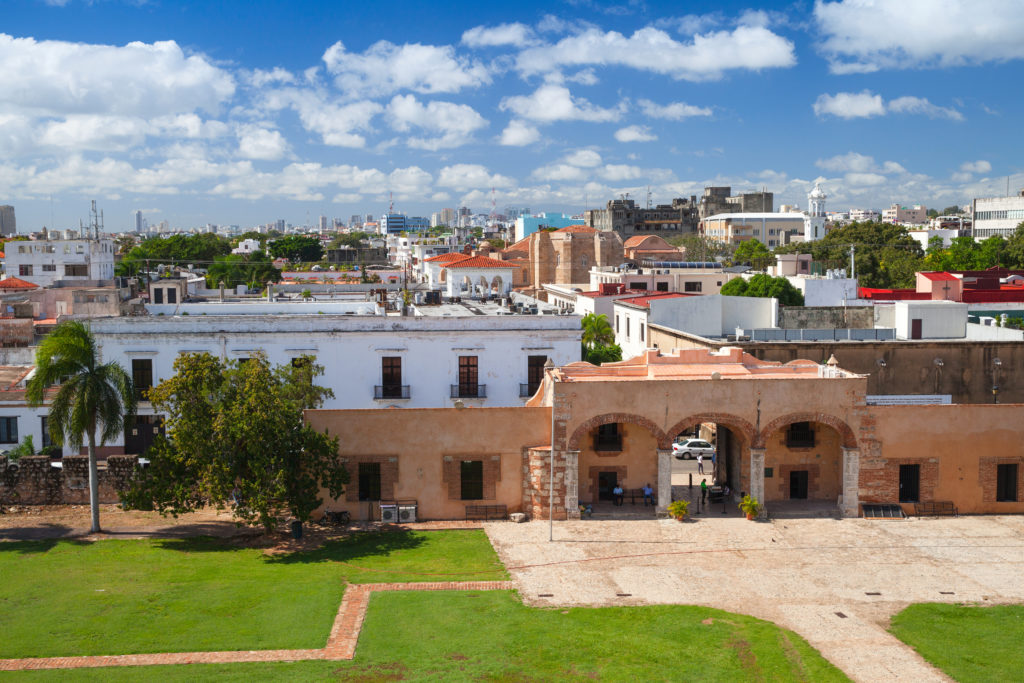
x=391, y=391
x=608, y=443
x=469, y=391
x=529, y=389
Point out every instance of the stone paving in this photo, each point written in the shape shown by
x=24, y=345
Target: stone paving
x=341, y=644
x=836, y=582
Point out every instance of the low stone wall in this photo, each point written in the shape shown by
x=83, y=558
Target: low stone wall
x=33, y=481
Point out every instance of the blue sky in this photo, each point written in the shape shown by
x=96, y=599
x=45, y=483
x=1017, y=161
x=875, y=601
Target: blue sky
x=245, y=112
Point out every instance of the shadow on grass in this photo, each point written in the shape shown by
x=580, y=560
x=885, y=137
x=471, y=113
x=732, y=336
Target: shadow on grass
x=38, y=532
x=36, y=547
x=365, y=544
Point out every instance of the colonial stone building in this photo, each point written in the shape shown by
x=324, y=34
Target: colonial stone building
x=627, y=219
x=785, y=432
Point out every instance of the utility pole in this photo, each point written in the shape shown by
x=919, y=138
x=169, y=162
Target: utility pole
x=853, y=273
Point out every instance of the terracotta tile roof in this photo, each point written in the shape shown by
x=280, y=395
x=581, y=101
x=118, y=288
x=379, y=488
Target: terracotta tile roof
x=445, y=258
x=940, y=277
x=521, y=245
x=577, y=228
x=481, y=262
x=636, y=240
x=3, y=255
x=15, y=283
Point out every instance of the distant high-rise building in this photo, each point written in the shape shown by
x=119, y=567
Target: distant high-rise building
x=7, y=223
x=323, y=223
x=138, y=221
x=356, y=221
x=279, y=226
x=369, y=218
x=447, y=217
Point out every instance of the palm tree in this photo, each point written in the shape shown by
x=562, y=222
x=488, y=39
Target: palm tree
x=91, y=397
x=597, y=330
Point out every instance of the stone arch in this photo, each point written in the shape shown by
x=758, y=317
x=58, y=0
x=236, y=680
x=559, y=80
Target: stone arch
x=737, y=424
x=497, y=286
x=664, y=442
x=444, y=275
x=845, y=433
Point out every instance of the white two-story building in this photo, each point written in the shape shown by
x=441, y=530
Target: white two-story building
x=43, y=262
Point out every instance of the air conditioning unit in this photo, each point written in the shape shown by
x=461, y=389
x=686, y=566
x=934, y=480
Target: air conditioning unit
x=389, y=514
x=406, y=513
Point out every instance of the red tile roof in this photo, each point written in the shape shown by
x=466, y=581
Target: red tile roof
x=445, y=258
x=15, y=283
x=481, y=262
x=635, y=240
x=940, y=277
x=577, y=228
x=645, y=301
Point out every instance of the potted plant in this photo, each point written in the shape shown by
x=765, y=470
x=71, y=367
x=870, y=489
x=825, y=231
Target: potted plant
x=750, y=506
x=679, y=509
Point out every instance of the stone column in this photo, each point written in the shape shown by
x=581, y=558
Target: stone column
x=664, y=479
x=757, y=474
x=572, y=483
x=851, y=482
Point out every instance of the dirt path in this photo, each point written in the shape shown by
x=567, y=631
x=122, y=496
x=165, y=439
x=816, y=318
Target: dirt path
x=835, y=582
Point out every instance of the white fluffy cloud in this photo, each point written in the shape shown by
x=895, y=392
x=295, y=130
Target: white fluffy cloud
x=849, y=105
x=463, y=177
x=979, y=166
x=635, y=134
x=452, y=124
x=920, y=105
x=257, y=142
x=518, y=134
x=708, y=57
x=503, y=34
x=854, y=162
x=385, y=68
x=340, y=125
x=674, y=111
x=57, y=78
x=552, y=102
x=866, y=35
x=585, y=158
x=865, y=104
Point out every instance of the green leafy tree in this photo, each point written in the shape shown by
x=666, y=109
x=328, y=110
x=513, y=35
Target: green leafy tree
x=297, y=248
x=250, y=235
x=92, y=399
x=700, y=248
x=1014, y=253
x=598, y=341
x=253, y=269
x=351, y=239
x=753, y=253
x=235, y=436
x=765, y=286
x=176, y=249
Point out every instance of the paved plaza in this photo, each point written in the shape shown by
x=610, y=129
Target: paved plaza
x=836, y=582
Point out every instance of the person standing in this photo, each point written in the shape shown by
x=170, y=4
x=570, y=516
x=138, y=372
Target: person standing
x=648, y=494
x=700, y=463
x=703, y=491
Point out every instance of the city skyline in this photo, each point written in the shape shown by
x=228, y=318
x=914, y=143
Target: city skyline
x=242, y=114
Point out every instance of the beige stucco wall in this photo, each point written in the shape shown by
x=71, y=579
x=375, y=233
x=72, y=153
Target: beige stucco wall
x=420, y=439
x=823, y=462
x=963, y=442
x=636, y=465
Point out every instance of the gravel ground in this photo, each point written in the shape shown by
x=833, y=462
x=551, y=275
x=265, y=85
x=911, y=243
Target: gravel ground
x=798, y=573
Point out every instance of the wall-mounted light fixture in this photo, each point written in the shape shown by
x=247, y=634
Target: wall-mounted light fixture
x=938, y=363
x=880, y=362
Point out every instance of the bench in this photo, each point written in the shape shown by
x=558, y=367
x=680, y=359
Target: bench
x=638, y=495
x=486, y=512
x=935, y=508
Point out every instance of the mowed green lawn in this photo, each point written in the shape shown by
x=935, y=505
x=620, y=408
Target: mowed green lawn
x=492, y=636
x=121, y=597
x=968, y=642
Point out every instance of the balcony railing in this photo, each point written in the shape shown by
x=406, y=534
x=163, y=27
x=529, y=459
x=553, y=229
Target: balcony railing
x=527, y=390
x=608, y=443
x=391, y=391
x=469, y=391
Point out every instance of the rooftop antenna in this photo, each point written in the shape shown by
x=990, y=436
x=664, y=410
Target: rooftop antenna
x=391, y=202
x=648, y=196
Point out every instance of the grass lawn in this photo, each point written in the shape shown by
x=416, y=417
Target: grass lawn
x=968, y=642
x=492, y=636
x=120, y=597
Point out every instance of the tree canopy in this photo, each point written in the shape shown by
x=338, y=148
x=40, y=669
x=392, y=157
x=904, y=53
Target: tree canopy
x=765, y=286
x=351, y=239
x=235, y=437
x=254, y=270
x=754, y=254
x=700, y=248
x=297, y=248
x=176, y=249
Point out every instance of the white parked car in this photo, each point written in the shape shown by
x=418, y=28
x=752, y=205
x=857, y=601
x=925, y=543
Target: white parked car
x=685, y=449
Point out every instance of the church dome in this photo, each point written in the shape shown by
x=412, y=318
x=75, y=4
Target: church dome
x=817, y=192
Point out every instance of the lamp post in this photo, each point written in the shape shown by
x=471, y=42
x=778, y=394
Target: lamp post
x=996, y=364
x=549, y=368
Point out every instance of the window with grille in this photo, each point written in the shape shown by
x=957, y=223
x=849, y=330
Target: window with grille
x=468, y=376
x=142, y=376
x=800, y=435
x=1006, y=483
x=8, y=430
x=369, y=481
x=391, y=376
x=534, y=372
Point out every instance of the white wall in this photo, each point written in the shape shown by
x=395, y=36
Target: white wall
x=939, y=319
x=98, y=256
x=977, y=332
x=819, y=291
x=748, y=312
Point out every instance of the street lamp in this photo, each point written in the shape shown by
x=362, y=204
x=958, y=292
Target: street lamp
x=996, y=365
x=549, y=368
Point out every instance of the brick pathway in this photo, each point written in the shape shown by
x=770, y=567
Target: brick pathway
x=340, y=645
